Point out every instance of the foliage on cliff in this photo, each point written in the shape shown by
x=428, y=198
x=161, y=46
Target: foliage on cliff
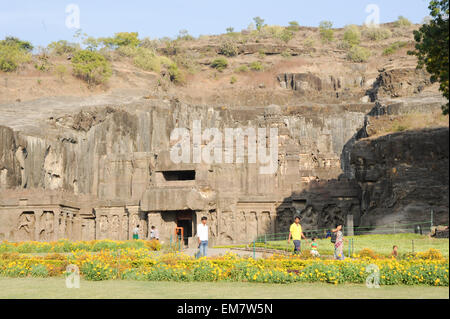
x=432, y=46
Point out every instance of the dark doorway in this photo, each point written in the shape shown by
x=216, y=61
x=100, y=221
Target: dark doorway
x=179, y=175
x=184, y=219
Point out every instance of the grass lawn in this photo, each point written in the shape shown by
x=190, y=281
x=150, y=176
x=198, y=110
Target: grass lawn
x=54, y=287
x=381, y=244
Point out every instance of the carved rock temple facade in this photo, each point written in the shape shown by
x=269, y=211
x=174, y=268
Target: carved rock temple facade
x=88, y=177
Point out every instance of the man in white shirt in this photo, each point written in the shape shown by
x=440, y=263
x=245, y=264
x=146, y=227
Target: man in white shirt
x=202, y=234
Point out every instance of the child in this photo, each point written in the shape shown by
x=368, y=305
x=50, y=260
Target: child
x=395, y=251
x=314, y=246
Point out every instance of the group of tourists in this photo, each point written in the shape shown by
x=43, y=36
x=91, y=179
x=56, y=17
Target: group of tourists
x=154, y=233
x=336, y=236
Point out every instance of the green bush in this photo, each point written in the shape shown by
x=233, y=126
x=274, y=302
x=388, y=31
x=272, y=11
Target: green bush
x=259, y=23
x=256, y=66
x=62, y=47
x=219, y=64
x=352, y=35
x=60, y=71
x=42, y=63
x=128, y=51
x=228, y=48
x=242, y=68
x=309, y=42
x=233, y=80
x=293, y=26
x=185, y=36
x=91, y=66
x=394, y=47
x=175, y=74
x=358, y=54
x=39, y=270
x=402, y=22
x=121, y=39
x=13, y=41
x=377, y=34
x=326, y=33
x=12, y=56
x=286, y=35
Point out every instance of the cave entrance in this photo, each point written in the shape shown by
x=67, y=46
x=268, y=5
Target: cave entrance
x=187, y=175
x=185, y=219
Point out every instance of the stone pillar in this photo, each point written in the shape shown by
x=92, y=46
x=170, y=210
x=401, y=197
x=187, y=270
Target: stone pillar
x=37, y=223
x=69, y=230
x=349, y=225
x=55, y=225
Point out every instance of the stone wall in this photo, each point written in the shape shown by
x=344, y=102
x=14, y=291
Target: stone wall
x=403, y=177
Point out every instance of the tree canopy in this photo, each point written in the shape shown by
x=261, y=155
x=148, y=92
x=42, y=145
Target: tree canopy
x=432, y=46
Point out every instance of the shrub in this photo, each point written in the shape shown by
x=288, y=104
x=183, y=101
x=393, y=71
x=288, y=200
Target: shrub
x=121, y=39
x=230, y=30
x=286, y=53
x=228, y=48
x=293, y=26
x=377, y=34
x=309, y=42
x=12, y=56
x=352, y=35
x=149, y=43
x=185, y=36
x=96, y=271
x=256, y=66
x=358, y=54
x=394, y=47
x=286, y=35
x=242, y=68
x=233, y=80
x=91, y=66
x=402, y=22
x=146, y=60
x=62, y=47
x=13, y=41
x=219, y=64
x=259, y=23
x=326, y=33
x=344, y=45
x=175, y=74
x=128, y=51
x=126, y=38
x=368, y=253
x=42, y=63
x=39, y=270
x=432, y=254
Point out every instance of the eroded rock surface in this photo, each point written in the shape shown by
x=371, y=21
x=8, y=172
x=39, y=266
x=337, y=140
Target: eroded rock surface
x=403, y=177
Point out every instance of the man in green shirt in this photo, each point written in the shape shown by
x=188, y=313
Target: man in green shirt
x=295, y=232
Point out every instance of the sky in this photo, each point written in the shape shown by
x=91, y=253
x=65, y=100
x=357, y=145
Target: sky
x=44, y=21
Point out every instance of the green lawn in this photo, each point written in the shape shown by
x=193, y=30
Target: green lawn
x=381, y=244
x=55, y=288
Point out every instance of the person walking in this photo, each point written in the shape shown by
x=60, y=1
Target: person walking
x=202, y=234
x=295, y=232
x=339, y=244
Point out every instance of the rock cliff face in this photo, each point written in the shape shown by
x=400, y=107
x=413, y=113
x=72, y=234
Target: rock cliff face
x=403, y=177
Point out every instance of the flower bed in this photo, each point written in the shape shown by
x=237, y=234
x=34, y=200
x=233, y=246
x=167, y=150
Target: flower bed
x=66, y=246
x=142, y=264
